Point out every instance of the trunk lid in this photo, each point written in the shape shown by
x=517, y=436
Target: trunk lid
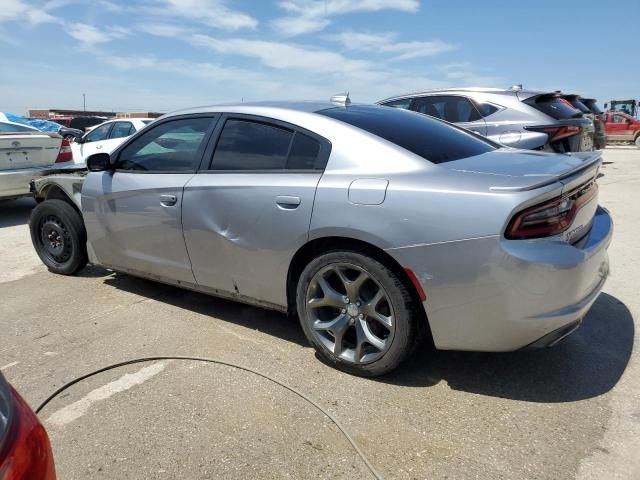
x=19, y=150
x=523, y=170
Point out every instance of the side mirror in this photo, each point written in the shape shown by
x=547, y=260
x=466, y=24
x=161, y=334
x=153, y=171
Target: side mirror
x=99, y=162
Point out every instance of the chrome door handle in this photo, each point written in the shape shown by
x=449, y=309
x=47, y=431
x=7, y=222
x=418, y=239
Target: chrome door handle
x=168, y=200
x=98, y=147
x=286, y=202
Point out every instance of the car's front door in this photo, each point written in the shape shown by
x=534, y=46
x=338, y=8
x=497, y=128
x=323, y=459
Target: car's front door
x=619, y=127
x=92, y=142
x=133, y=214
x=452, y=108
x=246, y=215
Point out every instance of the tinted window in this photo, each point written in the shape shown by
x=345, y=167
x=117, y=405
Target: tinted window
x=453, y=109
x=248, y=145
x=592, y=105
x=99, y=133
x=121, y=129
x=304, y=152
x=404, y=103
x=12, y=127
x=427, y=137
x=173, y=146
x=486, y=109
x=553, y=106
x=619, y=119
x=577, y=104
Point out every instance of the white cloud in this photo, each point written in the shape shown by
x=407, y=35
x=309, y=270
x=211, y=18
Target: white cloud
x=90, y=35
x=18, y=10
x=306, y=16
x=162, y=29
x=281, y=55
x=386, y=43
x=213, y=13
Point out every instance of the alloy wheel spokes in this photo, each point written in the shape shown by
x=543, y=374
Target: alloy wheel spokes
x=350, y=312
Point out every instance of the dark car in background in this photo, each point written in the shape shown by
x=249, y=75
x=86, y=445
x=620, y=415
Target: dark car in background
x=590, y=110
x=84, y=123
x=513, y=117
x=25, y=451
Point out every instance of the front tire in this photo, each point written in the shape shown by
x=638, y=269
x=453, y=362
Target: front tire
x=637, y=141
x=59, y=236
x=356, y=313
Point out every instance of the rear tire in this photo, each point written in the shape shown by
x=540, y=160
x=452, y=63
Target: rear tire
x=59, y=236
x=356, y=313
x=637, y=141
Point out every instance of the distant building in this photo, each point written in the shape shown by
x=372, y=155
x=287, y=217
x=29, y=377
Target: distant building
x=47, y=113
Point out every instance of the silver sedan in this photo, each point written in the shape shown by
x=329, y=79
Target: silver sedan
x=378, y=227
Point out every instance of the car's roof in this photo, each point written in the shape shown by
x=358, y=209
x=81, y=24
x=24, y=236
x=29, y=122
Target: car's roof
x=300, y=106
x=498, y=91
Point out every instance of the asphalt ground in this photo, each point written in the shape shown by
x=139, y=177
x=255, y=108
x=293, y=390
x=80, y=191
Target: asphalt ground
x=568, y=412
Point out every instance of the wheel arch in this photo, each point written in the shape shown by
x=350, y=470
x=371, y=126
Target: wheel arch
x=318, y=246
x=53, y=191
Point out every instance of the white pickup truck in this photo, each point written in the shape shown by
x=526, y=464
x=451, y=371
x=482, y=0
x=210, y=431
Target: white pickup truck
x=26, y=153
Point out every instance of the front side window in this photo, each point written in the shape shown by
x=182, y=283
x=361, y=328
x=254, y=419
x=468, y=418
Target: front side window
x=99, y=133
x=427, y=137
x=172, y=146
x=121, y=129
x=619, y=119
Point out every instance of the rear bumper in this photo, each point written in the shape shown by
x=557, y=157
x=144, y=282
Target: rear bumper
x=15, y=183
x=493, y=294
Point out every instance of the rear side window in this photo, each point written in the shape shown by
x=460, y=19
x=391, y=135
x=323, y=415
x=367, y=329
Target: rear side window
x=253, y=145
x=427, y=137
x=553, y=106
x=486, y=109
x=403, y=103
x=121, y=129
x=172, y=146
x=454, y=109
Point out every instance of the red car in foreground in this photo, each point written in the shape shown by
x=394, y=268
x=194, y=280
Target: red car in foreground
x=25, y=452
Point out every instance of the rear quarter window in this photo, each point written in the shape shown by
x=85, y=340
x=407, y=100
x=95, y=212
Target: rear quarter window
x=432, y=139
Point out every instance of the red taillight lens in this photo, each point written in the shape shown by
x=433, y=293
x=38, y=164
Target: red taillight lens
x=557, y=133
x=65, y=154
x=26, y=452
x=552, y=217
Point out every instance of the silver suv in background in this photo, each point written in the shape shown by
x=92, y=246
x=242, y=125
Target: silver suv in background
x=513, y=117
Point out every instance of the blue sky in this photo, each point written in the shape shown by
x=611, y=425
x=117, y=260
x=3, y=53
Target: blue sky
x=166, y=54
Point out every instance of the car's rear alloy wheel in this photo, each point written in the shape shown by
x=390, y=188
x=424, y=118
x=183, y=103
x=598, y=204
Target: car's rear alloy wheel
x=356, y=313
x=59, y=236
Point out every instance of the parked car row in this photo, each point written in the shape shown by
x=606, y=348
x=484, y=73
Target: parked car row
x=518, y=118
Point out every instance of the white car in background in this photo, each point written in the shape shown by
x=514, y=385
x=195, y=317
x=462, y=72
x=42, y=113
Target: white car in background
x=104, y=138
x=26, y=153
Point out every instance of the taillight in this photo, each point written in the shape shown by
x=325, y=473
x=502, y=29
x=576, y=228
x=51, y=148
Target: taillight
x=556, y=133
x=65, y=154
x=551, y=217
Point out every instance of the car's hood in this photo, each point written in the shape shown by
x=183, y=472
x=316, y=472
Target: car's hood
x=526, y=169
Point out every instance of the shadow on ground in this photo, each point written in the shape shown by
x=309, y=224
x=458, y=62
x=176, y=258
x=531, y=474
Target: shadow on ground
x=15, y=212
x=587, y=364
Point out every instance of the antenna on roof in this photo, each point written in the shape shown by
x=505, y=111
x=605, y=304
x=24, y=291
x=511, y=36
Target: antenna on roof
x=517, y=86
x=341, y=99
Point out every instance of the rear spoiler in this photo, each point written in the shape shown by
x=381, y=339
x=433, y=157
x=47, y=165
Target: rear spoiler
x=589, y=160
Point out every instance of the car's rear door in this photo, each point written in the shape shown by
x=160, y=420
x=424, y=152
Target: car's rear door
x=248, y=211
x=133, y=214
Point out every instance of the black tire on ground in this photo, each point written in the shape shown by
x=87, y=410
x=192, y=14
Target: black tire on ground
x=637, y=141
x=59, y=236
x=339, y=269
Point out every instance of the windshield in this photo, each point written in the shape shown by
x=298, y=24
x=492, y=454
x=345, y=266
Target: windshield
x=432, y=139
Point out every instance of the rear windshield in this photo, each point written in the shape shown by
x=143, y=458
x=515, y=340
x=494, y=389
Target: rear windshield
x=432, y=139
x=555, y=107
x=592, y=105
x=575, y=101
